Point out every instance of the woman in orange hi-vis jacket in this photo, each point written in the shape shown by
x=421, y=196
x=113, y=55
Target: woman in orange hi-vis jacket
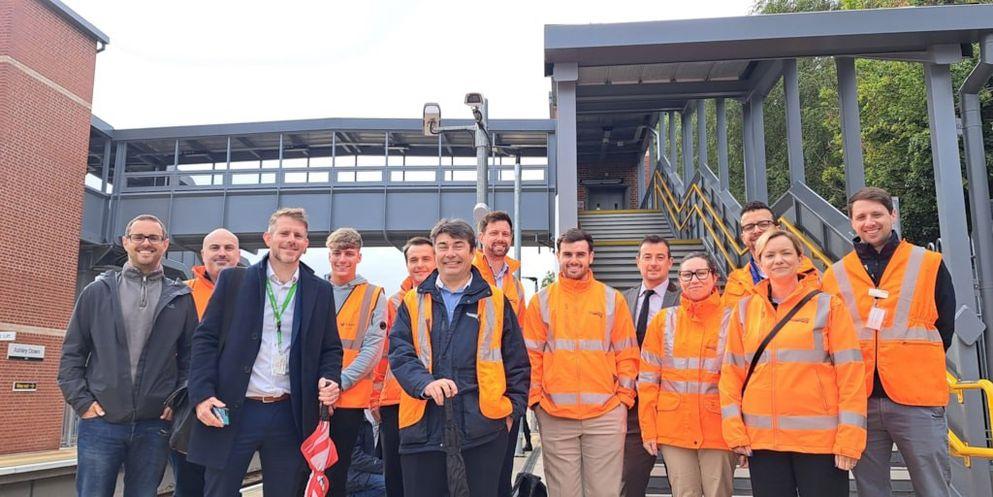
x=679, y=410
x=800, y=416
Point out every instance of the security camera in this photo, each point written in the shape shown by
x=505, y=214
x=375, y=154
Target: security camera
x=474, y=100
x=432, y=118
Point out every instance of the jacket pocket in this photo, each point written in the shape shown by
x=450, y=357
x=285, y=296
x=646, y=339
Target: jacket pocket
x=668, y=401
x=474, y=423
x=417, y=433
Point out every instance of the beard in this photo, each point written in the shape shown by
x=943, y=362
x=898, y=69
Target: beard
x=499, y=249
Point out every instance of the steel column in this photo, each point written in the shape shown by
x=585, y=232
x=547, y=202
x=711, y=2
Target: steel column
x=564, y=75
x=517, y=210
x=747, y=144
x=958, y=258
x=794, y=131
x=756, y=184
x=687, y=127
x=722, y=144
x=851, y=126
x=672, y=141
x=701, y=133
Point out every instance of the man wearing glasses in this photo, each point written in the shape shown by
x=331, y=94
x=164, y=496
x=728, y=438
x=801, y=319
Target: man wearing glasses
x=655, y=293
x=126, y=349
x=756, y=219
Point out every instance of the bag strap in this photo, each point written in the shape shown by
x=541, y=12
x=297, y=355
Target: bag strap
x=772, y=334
x=235, y=276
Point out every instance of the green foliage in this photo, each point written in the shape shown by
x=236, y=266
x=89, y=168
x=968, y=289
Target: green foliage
x=548, y=279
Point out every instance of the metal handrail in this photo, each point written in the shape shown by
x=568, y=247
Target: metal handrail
x=957, y=447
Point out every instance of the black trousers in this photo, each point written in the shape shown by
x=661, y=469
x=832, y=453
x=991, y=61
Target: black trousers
x=424, y=473
x=345, y=424
x=389, y=440
x=506, y=472
x=788, y=474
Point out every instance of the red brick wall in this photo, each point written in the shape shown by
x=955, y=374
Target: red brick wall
x=627, y=173
x=46, y=84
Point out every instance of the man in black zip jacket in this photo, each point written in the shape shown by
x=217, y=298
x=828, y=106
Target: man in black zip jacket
x=126, y=349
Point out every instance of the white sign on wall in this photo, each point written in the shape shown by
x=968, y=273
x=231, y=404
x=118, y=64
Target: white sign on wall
x=26, y=352
x=8, y=336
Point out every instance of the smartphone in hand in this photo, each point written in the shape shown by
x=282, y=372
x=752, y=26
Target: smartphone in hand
x=222, y=414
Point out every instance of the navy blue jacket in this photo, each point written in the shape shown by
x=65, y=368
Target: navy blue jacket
x=454, y=357
x=315, y=353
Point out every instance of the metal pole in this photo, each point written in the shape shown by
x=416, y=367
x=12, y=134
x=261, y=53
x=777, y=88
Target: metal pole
x=687, y=127
x=564, y=77
x=757, y=114
x=482, y=155
x=957, y=257
x=794, y=131
x=701, y=132
x=979, y=192
x=851, y=126
x=672, y=141
x=517, y=209
x=722, y=144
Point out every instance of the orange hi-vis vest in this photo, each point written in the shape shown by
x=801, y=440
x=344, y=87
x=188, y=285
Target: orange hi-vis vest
x=490, y=375
x=681, y=361
x=907, y=350
x=739, y=283
x=807, y=392
x=385, y=387
x=583, y=349
x=512, y=287
x=202, y=288
x=354, y=318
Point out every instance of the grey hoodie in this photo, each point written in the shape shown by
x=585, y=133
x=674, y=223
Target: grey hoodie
x=372, y=344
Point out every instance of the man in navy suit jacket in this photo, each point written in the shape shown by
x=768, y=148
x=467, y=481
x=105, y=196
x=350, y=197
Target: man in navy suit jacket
x=280, y=358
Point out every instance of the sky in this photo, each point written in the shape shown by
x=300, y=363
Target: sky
x=200, y=62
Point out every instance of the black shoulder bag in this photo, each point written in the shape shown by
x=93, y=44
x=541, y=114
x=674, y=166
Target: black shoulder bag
x=184, y=414
x=772, y=334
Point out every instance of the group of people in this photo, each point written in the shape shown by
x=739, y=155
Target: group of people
x=799, y=376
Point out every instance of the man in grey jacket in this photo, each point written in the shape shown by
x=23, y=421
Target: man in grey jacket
x=360, y=308
x=126, y=350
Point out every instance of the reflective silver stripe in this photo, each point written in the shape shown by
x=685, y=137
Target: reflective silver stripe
x=807, y=422
x=519, y=288
x=730, y=411
x=648, y=377
x=803, y=356
x=846, y=356
x=624, y=344
x=699, y=387
x=757, y=421
x=534, y=345
x=722, y=341
x=742, y=310
x=851, y=418
x=626, y=382
x=651, y=358
x=365, y=314
x=906, y=299
x=397, y=298
x=490, y=349
x=915, y=334
x=574, y=345
x=669, y=328
x=610, y=303
x=848, y=296
x=736, y=359
x=820, y=320
x=421, y=333
x=571, y=399
x=543, y=306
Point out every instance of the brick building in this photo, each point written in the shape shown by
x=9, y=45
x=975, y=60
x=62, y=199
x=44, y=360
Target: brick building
x=47, y=58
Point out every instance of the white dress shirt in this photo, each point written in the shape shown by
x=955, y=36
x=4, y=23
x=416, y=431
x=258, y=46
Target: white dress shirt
x=263, y=382
x=654, y=302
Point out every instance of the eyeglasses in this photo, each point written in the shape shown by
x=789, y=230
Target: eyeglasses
x=138, y=238
x=700, y=274
x=766, y=224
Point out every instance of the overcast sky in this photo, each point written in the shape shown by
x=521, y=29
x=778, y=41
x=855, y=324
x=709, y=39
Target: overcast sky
x=186, y=62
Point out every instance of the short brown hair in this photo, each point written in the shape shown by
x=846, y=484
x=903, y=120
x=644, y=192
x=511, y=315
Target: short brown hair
x=344, y=238
x=146, y=217
x=711, y=263
x=653, y=239
x=757, y=205
x=872, y=194
x=415, y=241
x=574, y=235
x=295, y=213
x=773, y=234
x=493, y=217
x=455, y=228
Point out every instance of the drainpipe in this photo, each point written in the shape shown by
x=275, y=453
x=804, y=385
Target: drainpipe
x=979, y=193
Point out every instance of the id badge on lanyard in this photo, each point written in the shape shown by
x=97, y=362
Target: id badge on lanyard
x=876, y=315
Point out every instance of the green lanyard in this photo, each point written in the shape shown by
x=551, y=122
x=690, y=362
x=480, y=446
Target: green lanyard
x=278, y=311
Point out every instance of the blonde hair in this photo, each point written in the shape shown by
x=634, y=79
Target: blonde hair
x=344, y=238
x=772, y=234
x=295, y=213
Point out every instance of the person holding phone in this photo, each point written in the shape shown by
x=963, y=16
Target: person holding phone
x=792, y=384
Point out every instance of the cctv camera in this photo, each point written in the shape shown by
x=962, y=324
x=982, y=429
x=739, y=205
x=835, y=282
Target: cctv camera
x=432, y=118
x=474, y=100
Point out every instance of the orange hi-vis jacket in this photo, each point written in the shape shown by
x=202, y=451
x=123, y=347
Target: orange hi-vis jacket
x=739, y=283
x=490, y=374
x=807, y=393
x=512, y=287
x=681, y=360
x=583, y=349
x=353, y=322
x=385, y=387
x=202, y=288
x=907, y=349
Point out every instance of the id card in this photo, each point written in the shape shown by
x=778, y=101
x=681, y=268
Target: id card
x=876, y=317
x=281, y=364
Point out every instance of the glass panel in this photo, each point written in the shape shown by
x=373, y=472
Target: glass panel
x=374, y=176
x=465, y=175
x=242, y=165
x=93, y=182
x=270, y=164
x=294, y=163
x=218, y=179
x=295, y=177
x=346, y=177
x=268, y=178
x=533, y=175
x=319, y=177
x=417, y=160
x=245, y=179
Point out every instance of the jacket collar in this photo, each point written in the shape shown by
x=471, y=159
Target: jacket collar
x=478, y=287
x=703, y=308
x=575, y=286
x=867, y=251
x=479, y=260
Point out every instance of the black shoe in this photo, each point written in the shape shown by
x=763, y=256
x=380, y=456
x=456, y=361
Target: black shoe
x=528, y=447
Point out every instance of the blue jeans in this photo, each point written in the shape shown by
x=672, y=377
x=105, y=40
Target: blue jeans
x=188, y=476
x=375, y=487
x=141, y=447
